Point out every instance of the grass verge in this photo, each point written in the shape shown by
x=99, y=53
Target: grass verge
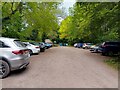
x=114, y=62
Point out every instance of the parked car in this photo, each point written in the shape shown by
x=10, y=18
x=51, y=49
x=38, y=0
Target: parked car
x=95, y=48
x=48, y=45
x=33, y=49
x=78, y=45
x=75, y=45
x=42, y=46
x=87, y=45
x=110, y=47
x=65, y=44
x=13, y=55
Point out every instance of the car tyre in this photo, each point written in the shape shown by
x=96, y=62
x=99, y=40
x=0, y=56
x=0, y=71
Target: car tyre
x=30, y=52
x=104, y=53
x=4, y=69
x=42, y=50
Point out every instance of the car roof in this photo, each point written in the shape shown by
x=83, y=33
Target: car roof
x=6, y=38
x=112, y=41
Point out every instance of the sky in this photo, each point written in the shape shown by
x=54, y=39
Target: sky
x=67, y=4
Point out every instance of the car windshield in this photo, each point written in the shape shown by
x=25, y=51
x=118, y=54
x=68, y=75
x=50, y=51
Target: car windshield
x=34, y=43
x=19, y=43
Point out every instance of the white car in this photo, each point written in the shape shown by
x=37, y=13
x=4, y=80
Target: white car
x=75, y=45
x=87, y=45
x=33, y=49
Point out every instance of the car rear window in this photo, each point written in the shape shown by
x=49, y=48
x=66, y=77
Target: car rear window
x=19, y=43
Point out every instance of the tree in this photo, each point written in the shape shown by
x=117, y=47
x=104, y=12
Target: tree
x=30, y=20
x=92, y=22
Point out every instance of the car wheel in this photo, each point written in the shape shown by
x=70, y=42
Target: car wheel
x=42, y=49
x=104, y=54
x=4, y=69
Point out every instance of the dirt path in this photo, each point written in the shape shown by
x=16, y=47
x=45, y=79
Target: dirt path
x=64, y=67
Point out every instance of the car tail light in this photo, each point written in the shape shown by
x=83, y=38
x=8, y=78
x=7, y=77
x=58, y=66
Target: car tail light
x=37, y=47
x=18, y=52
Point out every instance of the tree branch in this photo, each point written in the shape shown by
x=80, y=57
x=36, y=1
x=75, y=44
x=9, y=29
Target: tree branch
x=12, y=7
x=13, y=12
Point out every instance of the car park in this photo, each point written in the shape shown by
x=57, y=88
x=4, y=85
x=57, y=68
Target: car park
x=13, y=56
x=110, y=47
x=33, y=49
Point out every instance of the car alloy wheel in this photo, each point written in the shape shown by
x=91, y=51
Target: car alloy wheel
x=4, y=69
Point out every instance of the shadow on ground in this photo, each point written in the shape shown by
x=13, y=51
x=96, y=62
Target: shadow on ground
x=18, y=72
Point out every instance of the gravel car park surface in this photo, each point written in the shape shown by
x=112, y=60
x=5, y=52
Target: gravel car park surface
x=64, y=67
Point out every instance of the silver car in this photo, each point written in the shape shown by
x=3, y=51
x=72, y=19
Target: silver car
x=13, y=55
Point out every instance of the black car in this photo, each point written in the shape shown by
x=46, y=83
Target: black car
x=42, y=46
x=109, y=47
